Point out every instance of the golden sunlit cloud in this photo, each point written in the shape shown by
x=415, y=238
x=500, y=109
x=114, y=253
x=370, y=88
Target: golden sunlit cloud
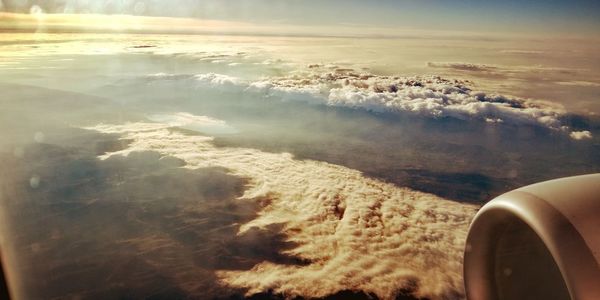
x=38, y=21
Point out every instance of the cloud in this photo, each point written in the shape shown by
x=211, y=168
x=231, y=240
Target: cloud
x=502, y=70
x=356, y=233
x=431, y=96
x=39, y=21
x=462, y=66
x=579, y=83
x=428, y=96
x=203, y=124
x=218, y=79
x=522, y=52
x=581, y=135
x=159, y=230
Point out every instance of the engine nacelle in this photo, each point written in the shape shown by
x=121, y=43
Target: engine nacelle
x=538, y=242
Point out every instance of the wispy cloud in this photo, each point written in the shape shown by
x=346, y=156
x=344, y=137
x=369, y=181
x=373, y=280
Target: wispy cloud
x=580, y=83
x=522, y=52
x=462, y=66
x=501, y=70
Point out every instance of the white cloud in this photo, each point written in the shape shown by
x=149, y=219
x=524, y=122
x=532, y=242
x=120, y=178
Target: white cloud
x=203, y=124
x=358, y=233
x=217, y=79
x=163, y=76
x=429, y=96
x=581, y=135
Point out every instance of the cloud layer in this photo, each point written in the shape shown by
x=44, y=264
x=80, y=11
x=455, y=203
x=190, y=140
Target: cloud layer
x=357, y=233
x=429, y=96
x=462, y=66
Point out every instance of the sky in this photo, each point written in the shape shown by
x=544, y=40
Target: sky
x=578, y=17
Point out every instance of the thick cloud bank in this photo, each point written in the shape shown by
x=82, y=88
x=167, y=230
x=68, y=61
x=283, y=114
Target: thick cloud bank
x=429, y=96
x=356, y=233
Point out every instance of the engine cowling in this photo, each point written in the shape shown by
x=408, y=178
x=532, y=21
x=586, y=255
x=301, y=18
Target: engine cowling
x=538, y=242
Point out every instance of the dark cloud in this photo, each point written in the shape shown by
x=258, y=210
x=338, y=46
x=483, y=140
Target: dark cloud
x=128, y=227
x=462, y=66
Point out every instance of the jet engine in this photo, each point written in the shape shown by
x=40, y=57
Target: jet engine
x=537, y=242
